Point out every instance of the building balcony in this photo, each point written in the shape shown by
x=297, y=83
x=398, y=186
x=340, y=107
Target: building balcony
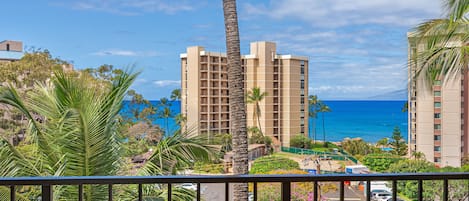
x=169, y=183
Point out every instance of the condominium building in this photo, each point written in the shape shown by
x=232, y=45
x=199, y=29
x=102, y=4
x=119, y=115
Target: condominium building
x=438, y=115
x=205, y=92
x=10, y=50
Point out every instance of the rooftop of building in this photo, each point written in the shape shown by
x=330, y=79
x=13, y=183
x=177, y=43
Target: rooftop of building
x=247, y=56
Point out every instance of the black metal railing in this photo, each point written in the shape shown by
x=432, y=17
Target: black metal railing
x=47, y=183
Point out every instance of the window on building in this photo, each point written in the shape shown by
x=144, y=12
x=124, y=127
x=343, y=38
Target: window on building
x=437, y=148
x=437, y=82
x=437, y=137
x=437, y=115
x=437, y=93
x=8, y=47
x=437, y=160
x=437, y=104
x=437, y=126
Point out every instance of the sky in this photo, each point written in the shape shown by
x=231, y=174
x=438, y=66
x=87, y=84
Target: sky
x=357, y=49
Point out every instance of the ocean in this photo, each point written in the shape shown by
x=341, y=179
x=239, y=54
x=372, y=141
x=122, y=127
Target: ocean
x=369, y=120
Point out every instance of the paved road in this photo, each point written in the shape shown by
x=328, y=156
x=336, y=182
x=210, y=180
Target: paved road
x=216, y=192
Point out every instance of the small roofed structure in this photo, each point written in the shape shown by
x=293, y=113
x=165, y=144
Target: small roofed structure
x=11, y=50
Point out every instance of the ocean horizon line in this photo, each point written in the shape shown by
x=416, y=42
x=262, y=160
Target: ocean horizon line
x=321, y=100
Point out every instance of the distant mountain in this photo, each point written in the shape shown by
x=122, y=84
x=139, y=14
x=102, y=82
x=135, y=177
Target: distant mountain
x=393, y=95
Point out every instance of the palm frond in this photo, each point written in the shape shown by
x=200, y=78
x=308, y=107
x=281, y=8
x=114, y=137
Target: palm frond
x=175, y=152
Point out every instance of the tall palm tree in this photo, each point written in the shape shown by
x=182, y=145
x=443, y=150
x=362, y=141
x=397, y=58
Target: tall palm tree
x=237, y=106
x=255, y=96
x=313, y=103
x=78, y=136
x=445, y=43
x=175, y=95
x=164, y=102
x=322, y=109
x=166, y=114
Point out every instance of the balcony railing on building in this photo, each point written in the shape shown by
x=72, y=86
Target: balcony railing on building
x=47, y=184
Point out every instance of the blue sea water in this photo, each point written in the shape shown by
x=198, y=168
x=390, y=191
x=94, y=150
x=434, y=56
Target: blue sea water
x=369, y=120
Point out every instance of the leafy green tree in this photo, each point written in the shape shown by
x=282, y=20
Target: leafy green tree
x=432, y=189
x=383, y=142
x=300, y=141
x=255, y=96
x=36, y=66
x=258, y=138
x=358, y=147
x=443, y=43
x=398, y=143
x=380, y=162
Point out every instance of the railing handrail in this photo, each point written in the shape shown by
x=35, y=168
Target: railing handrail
x=6, y=181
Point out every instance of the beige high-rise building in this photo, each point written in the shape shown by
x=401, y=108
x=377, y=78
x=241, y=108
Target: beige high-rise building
x=205, y=93
x=438, y=115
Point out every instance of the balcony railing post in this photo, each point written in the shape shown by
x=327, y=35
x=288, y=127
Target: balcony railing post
x=420, y=190
x=286, y=191
x=368, y=190
x=46, y=194
x=140, y=192
x=12, y=193
x=445, y=190
x=227, y=191
x=394, y=189
x=198, y=191
x=255, y=191
x=109, y=192
x=315, y=196
x=342, y=191
x=80, y=192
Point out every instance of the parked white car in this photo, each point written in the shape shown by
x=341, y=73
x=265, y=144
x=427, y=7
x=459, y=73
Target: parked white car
x=189, y=186
x=375, y=191
x=383, y=196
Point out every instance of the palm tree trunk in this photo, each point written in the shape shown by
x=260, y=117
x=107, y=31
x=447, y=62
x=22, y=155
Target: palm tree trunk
x=315, y=131
x=258, y=119
x=237, y=105
x=167, y=126
x=323, y=130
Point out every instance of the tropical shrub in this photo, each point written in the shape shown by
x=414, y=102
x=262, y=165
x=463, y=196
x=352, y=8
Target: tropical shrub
x=80, y=137
x=432, y=189
x=301, y=141
x=266, y=164
x=380, y=162
x=299, y=190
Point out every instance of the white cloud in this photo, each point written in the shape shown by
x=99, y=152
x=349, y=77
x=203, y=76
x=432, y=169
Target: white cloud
x=166, y=83
x=126, y=53
x=132, y=7
x=335, y=13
